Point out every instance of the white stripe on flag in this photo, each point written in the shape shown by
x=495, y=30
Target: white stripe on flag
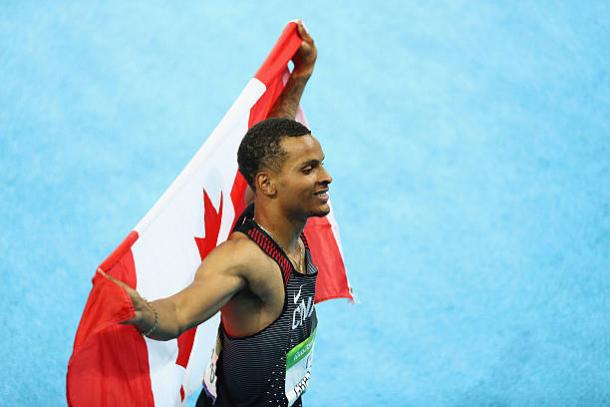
x=165, y=255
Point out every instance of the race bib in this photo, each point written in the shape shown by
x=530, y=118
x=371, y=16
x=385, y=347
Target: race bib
x=298, y=368
x=209, y=376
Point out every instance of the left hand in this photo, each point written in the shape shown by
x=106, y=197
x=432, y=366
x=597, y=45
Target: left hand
x=305, y=57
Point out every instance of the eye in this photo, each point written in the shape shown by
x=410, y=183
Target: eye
x=307, y=169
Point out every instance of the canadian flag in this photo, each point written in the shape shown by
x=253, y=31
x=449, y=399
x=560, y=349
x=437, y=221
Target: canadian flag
x=113, y=364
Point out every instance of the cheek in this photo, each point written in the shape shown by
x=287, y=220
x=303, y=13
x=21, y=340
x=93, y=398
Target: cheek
x=298, y=189
x=297, y=192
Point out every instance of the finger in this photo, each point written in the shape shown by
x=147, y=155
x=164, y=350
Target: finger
x=114, y=280
x=108, y=276
x=303, y=31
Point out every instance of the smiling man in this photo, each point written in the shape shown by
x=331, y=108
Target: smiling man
x=262, y=278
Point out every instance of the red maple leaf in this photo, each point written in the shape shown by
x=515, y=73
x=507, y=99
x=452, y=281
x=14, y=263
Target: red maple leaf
x=212, y=220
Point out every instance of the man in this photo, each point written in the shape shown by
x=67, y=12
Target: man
x=262, y=278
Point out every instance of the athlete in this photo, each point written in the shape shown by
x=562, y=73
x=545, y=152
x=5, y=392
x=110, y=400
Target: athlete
x=261, y=279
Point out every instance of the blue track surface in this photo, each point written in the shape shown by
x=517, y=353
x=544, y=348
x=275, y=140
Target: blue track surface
x=470, y=147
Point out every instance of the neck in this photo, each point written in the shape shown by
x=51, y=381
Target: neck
x=285, y=230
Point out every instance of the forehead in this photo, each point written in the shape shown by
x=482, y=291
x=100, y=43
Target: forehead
x=301, y=148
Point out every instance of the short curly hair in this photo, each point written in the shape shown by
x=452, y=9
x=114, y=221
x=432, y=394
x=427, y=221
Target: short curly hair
x=260, y=147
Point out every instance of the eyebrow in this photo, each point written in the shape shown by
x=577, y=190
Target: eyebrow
x=311, y=162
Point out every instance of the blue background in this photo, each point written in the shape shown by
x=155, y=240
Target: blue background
x=469, y=144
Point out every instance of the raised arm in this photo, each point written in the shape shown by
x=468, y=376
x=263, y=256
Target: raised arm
x=304, y=61
x=219, y=277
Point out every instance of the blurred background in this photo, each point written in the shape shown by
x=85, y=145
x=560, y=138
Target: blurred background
x=470, y=147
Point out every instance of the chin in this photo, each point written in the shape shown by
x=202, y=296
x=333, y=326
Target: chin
x=320, y=212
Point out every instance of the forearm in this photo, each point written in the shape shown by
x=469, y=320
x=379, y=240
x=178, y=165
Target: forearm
x=169, y=317
x=304, y=61
x=288, y=102
x=165, y=325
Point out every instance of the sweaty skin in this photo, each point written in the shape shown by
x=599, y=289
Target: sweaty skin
x=237, y=277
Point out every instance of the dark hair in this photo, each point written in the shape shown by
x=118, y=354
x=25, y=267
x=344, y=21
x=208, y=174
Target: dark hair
x=260, y=147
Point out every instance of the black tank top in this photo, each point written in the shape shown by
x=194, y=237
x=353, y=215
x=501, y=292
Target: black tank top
x=271, y=367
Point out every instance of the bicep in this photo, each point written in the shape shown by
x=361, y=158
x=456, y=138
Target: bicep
x=218, y=279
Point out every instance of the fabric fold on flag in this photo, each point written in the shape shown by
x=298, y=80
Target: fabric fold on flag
x=113, y=364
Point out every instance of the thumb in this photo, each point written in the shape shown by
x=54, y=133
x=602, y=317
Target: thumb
x=114, y=280
x=133, y=295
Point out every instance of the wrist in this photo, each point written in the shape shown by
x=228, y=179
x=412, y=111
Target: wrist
x=149, y=321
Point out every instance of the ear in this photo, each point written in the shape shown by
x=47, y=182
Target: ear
x=265, y=183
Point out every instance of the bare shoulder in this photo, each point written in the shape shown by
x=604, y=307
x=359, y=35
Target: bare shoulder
x=259, y=270
x=239, y=254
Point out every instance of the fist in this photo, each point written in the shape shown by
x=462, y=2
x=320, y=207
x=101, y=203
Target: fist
x=305, y=57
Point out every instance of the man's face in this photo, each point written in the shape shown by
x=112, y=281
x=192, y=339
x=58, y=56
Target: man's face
x=302, y=183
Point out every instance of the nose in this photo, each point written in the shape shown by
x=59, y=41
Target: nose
x=325, y=177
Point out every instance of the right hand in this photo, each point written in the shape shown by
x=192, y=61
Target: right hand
x=144, y=317
x=305, y=57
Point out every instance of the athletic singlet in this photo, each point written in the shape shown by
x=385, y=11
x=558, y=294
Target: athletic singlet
x=271, y=367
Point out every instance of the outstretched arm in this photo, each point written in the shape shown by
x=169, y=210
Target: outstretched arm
x=219, y=277
x=304, y=61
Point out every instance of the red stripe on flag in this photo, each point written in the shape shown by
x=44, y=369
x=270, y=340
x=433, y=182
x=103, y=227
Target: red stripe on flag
x=270, y=73
x=262, y=107
x=109, y=363
x=332, y=278
x=117, y=254
x=282, y=52
x=238, y=196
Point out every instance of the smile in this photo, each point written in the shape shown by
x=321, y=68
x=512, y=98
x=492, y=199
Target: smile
x=322, y=195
